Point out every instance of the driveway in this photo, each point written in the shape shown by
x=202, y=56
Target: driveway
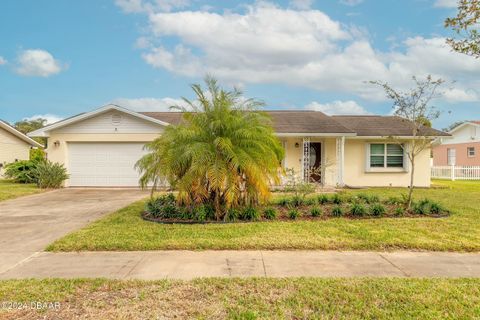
x=28, y=224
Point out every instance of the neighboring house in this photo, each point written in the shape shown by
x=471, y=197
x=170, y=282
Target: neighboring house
x=100, y=148
x=14, y=145
x=462, y=149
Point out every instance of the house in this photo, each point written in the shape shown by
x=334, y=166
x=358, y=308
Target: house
x=100, y=148
x=462, y=149
x=14, y=145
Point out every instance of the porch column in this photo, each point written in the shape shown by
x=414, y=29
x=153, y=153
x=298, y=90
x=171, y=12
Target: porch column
x=306, y=159
x=340, y=160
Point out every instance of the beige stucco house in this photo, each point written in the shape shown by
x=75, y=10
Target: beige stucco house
x=100, y=148
x=14, y=145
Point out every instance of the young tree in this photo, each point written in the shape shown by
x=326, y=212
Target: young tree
x=224, y=153
x=466, y=24
x=413, y=106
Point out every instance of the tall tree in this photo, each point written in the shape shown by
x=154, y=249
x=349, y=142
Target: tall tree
x=26, y=126
x=467, y=25
x=223, y=153
x=414, y=107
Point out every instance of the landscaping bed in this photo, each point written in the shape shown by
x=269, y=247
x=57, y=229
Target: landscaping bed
x=165, y=209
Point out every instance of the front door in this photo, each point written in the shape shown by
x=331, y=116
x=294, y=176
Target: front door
x=315, y=161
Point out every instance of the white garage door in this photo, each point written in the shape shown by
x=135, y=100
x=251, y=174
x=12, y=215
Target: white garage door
x=104, y=164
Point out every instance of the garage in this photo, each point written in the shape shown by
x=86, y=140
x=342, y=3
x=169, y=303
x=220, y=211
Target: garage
x=104, y=164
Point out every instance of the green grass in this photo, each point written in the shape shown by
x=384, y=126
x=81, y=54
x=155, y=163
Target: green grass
x=125, y=230
x=254, y=298
x=10, y=190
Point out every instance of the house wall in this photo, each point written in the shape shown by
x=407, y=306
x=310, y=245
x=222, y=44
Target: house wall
x=466, y=134
x=462, y=158
x=12, y=148
x=355, y=173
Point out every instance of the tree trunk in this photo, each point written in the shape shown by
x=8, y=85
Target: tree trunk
x=412, y=174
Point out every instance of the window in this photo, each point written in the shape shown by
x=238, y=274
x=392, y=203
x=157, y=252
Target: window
x=386, y=155
x=451, y=157
x=471, y=151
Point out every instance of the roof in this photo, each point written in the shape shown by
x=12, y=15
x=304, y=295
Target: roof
x=476, y=122
x=285, y=123
x=367, y=126
x=464, y=124
x=301, y=122
x=7, y=127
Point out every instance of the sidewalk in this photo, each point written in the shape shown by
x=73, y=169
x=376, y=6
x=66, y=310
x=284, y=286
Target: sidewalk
x=150, y=265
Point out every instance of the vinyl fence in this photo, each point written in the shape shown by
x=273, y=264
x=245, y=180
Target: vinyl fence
x=456, y=172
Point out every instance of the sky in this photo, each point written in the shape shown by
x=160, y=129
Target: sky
x=59, y=58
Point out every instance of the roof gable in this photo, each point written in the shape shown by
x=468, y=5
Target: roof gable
x=44, y=132
x=8, y=128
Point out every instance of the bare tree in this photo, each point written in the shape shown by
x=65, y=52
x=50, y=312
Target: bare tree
x=414, y=107
x=467, y=25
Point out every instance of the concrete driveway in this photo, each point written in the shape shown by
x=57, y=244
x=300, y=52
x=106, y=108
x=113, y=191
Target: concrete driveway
x=28, y=224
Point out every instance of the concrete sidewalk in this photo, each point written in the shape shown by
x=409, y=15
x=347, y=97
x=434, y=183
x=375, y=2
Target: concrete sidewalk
x=189, y=264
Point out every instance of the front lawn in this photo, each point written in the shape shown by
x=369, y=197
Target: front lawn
x=125, y=229
x=254, y=298
x=10, y=190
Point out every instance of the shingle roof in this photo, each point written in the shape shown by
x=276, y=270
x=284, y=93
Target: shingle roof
x=318, y=122
x=383, y=126
x=476, y=122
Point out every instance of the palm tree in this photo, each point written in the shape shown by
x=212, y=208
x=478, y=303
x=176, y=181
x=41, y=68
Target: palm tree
x=223, y=153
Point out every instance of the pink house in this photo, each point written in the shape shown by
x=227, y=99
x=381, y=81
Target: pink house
x=463, y=149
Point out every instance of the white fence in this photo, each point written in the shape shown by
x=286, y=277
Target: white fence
x=456, y=172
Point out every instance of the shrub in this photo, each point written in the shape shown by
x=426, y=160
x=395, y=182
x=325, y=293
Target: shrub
x=337, y=211
x=377, y=210
x=37, y=155
x=283, y=202
x=373, y=199
x=163, y=206
x=364, y=197
x=296, y=201
x=435, y=208
x=419, y=208
x=310, y=201
x=358, y=210
x=204, y=212
x=250, y=214
x=232, y=215
x=399, y=211
x=270, y=213
x=21, y=171
x=394, y=201
x=336, y=199
x=48, y=174
x=293, y=214
x=322, y=199
x=316, y=211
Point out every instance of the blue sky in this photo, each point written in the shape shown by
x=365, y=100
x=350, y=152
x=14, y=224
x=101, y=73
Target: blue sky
x=59, y=58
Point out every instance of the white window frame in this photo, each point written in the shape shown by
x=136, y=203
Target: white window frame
x=385, y=168
x=471, y=154
x=451, y=156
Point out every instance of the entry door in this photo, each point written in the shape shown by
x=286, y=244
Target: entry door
x=316, y=161
x=104, y=164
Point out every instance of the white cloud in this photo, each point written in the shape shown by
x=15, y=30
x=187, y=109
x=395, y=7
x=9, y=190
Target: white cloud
x=149, y=104
x=51, y=118
x=142, y=6
x=337, y=107
x=351, y=2
x=301, y=4
x=270, y=44
x=445, y=3
x=459, y=95
x=2, y=61
x=37, y=63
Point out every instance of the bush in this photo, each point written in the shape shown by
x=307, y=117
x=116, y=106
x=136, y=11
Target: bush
x=21, y=171
x=322, y=199
x=419, y=208
x=316, y=211
x=336, y=199
x=394, y=201
x=48, y=174
x=283, y=202
x=250, y=214
x=270, y=213
x=232, y=215
x=204, y=212
x=337, y=211
x=399, y=211
x=377, y=210
x=436, y=208
x=373, y=199
x=163, y=206
x=296, y=201
x=358, y=210
x=37, y=155
x=310, y=201
x=293, y=214
x=364, y=197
